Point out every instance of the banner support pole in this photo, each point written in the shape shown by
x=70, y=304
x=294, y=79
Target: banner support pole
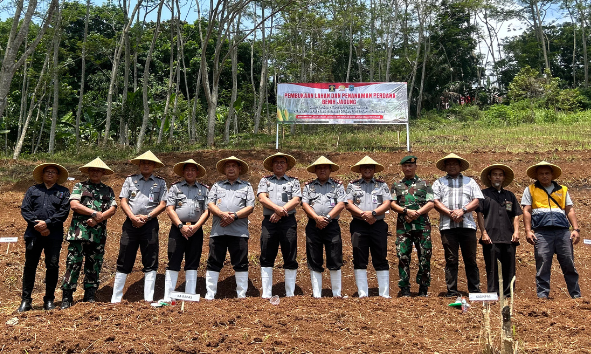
x=277, y=138
x=407, y=137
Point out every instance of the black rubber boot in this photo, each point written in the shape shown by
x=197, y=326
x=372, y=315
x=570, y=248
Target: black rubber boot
x=67, y=300
x=423, y=291
x=89, y=295
x=404, y=292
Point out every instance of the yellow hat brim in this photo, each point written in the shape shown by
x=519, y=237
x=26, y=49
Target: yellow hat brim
x=38, y=172
x=96, y=163
x=509, y=175
x=148, y=156
x=268, y=163
x=322, y=161
x=180, y=167
x=464, y=164
x=532, y=171
x=221, y=163
x=367, y=161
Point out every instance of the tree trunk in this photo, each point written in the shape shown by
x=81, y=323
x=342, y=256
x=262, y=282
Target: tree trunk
x=82, y=76
x=234, y=56
x=425, y=55
x=19, y=144
x=56, y=84
x=170, y=81
x=535, y=11
x=141, y=135
x=263, y=81
x=24, y=90
x=350, y=50
x=122, y=119
x=114, y=71
x=17, y=35
x=176, y=101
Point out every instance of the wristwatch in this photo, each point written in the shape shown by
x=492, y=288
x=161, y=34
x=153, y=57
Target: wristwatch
x=93, y=215
x=405, y=211
x=577, y=230
x=464, y=210
x=329, y=217
x=149, y=216
x=235, y=216
x=180, y=226
x=374, y=214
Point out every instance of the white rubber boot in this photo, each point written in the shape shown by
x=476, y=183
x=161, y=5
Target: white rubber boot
x=335, y=282
x=149, y=284
x=190, y=282
x=118, y=286
x=384, y=283
x=316, y=278
x=241, y=284
x=170, y=283
x=290, y=280
x=267, y=282
x=211, y=284
x=361, y=281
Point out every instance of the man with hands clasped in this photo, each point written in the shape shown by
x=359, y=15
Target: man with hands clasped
x=187, y=208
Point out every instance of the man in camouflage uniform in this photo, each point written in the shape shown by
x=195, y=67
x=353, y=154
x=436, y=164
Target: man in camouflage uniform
x=413, y=201
x=93, y=202
x=368, y=199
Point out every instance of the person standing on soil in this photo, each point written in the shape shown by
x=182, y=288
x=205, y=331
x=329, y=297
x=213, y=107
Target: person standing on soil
x=413, y=201
x=187, y=210
x=323, y=200
x=93, y=203
x=456, y=197
x=279, y=194
x=143, y=198
x=230, y=201
x=498, y=221
x=548, y=213
x=368, y=199
x=45, y=207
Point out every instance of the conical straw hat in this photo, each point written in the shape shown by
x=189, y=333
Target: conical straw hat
x=148, y=156
x=322, y=161
x=532, y=171
x=367, y=161
x=221, y=163
x=96, y=163
x=179, y=168
x=509, y=175
x=268, y=163
x=38, y=172
x=464, y=164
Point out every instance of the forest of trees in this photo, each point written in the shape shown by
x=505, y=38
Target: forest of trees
x=77, y=74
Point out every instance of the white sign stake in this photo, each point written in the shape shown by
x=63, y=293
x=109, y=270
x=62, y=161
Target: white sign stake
x=184, y=297
x=587, y=241
x=8, y=239
x=484, y=297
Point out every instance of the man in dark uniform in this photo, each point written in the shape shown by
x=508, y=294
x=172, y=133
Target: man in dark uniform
x=44, y=208
x=143, y=198
x=323, y=200
x=279, y=194
x=230, y=201
x=414, y=200
x=187, y=210
x=92, y=202
x=498, y=221
x=368, y=199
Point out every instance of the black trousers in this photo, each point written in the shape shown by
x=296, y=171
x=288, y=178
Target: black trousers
x=328, y=238
x=453, y=240
x=504, y=252
x=283, y=233
x=179, y=246
x=368, y=238
x=238, y=248
x=146, y=239
x=34, y=246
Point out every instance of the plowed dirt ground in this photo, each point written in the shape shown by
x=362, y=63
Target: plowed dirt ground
x=300, y=324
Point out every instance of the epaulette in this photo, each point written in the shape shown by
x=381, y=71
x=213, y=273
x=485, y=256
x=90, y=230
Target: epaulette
x=338, y=181
x=356, y=180
x=293, y=177
x=203, y=184
x=310, y=181
x=380, y=180
x=269, y=176
x=131, y=175
x=158, y=177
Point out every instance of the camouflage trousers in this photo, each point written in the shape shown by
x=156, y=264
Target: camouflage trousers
x=92, y=254
x=404, y=242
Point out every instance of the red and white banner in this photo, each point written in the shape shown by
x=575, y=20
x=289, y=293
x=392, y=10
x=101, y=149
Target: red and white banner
x=342, y=103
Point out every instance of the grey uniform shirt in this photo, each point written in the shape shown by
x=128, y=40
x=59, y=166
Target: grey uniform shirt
x=281, y=190
x=231, y=198
x=143, y=195
x=324, y=197
x=368, y=196
x=189, y=201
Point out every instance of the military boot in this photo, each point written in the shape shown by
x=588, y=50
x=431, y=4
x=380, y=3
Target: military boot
x=423, y=289
x=67, y=300
x=404, y=292
x=25, y=306
x=89, y=295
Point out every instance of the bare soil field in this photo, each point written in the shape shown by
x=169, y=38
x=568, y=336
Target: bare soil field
x=300, y=324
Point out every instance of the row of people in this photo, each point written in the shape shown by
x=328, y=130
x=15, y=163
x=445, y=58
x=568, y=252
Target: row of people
x=189, y=204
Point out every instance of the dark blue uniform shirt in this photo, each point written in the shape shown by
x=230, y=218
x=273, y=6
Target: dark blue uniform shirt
x=50, y=205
